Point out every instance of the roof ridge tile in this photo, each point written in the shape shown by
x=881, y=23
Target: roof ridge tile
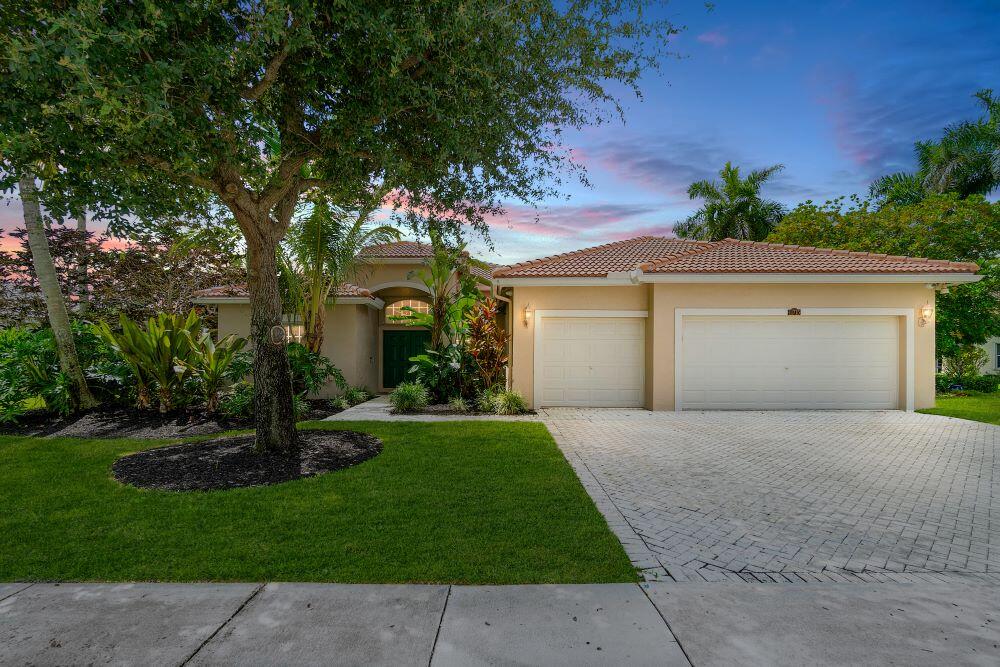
x=572, y=253
x=855, y=253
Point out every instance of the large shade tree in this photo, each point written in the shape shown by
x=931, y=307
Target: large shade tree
x=454, y=105
x=733, y=207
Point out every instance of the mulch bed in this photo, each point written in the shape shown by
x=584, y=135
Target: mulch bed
x=231, y=463
x=143, y=424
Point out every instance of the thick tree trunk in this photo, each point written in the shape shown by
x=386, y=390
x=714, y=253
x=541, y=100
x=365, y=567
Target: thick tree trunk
x=273, y=408
x=82, y=267
x=55, y=303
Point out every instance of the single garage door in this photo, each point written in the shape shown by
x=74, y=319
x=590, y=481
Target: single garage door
x=592, y=361
x=789, y=363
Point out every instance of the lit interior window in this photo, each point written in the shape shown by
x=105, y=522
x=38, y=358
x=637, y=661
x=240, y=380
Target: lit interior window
x=395, y=309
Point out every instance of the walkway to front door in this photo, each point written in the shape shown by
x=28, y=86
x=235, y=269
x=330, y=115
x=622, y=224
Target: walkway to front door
x=398, y=345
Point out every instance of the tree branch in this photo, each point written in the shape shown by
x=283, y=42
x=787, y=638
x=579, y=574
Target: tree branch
x=165, y=167
x=270, y=75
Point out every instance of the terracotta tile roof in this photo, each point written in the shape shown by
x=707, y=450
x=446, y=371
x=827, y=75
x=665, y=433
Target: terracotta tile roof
x=600, y=260
x=732, y=256
x=666, y=255
x=398, y=249
x=240, y=292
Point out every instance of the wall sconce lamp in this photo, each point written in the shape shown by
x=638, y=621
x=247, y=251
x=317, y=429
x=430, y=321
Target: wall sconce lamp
x=527, y=314
x=926, y=315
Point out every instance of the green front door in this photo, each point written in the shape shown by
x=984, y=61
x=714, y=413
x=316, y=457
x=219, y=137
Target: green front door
x=397, y=348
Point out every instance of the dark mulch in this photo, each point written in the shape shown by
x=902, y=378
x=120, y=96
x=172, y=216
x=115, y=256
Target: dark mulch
x=116, y=422
x=231, y=463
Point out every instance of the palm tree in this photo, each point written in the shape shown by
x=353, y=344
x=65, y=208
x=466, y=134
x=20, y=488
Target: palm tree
x=321, y=251
x=967, y=158
x=966, y=161
x=733, y=207
x=55, y=303
x=901, y=188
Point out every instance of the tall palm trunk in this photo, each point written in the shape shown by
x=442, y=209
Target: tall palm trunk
x=55, y=303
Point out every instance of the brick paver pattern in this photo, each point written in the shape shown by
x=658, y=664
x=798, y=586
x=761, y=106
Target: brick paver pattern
x=792, y=496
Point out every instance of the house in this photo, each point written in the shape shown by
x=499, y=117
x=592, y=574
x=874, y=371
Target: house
x=672, y=324
x=992, y=365
x=360, y=336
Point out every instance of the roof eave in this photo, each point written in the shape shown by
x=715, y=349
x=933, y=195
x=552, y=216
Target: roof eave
x=370, y=301
x=635, y=277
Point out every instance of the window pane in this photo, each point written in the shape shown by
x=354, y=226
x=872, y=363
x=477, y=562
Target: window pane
x=395, y=309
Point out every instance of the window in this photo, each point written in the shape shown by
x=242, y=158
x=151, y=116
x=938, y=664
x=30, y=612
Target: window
x=294, y=331
x=395, y=309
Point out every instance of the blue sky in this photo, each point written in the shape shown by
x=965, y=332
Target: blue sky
x=837, y=92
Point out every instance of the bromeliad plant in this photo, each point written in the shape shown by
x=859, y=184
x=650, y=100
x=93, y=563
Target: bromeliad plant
x=160, y=356
x=211, y=363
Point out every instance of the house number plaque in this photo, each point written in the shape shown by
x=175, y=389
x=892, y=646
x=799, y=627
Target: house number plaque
x=794, y=311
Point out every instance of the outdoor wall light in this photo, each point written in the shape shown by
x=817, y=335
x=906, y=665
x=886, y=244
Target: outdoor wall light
x=527, y=314
x=926, y=314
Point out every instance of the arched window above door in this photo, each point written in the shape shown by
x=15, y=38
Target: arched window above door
x=395, y=309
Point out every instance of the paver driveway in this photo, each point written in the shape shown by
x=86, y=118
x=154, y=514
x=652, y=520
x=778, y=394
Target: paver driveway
x=792, y=496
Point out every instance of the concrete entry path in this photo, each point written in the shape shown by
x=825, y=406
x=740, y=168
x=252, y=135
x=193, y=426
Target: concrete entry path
x=378, y=409
x=792, y=497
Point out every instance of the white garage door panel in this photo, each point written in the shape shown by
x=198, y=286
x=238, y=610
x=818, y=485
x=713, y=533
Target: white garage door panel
x=592, y=361
x=789, y=363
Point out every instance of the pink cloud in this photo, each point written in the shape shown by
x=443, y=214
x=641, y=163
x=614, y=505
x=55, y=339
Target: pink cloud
x=713, y=38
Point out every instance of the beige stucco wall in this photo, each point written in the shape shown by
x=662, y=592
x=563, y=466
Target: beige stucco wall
x=348, y=339
x=661, y=300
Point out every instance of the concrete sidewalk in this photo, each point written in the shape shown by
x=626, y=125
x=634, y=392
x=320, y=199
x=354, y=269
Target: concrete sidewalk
x=648, y=624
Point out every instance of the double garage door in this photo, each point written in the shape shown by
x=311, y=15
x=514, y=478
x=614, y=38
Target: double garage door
x=727, y=363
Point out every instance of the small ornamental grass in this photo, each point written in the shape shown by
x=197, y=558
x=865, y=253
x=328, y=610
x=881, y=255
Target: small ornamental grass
x=409, y=397
x=509, y=403
x=355, y=395
x=458, y=404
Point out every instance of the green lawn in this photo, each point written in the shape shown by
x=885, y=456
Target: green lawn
x=461, y=502
x=977, y=407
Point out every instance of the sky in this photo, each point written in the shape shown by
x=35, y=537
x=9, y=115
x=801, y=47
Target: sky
x=836, y=91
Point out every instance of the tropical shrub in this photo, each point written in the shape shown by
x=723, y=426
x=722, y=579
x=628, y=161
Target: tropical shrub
x=440, y=372
x=965, y=364
x=486, y=343
x=509, y=402
x=237, y=403
x=311, y=370
x=408, y=397
x=339, y=403
x=29, y=370
x=458, y=404
x=209, y=363
x=159, y=356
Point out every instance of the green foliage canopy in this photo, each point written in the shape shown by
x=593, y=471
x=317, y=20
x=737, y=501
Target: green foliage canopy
x=941, y=226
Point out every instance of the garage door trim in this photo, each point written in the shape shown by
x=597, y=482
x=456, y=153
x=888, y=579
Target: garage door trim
x=908, y=313
x=540, y=315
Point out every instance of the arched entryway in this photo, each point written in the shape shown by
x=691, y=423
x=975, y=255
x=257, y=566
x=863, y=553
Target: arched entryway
x=398, y=341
